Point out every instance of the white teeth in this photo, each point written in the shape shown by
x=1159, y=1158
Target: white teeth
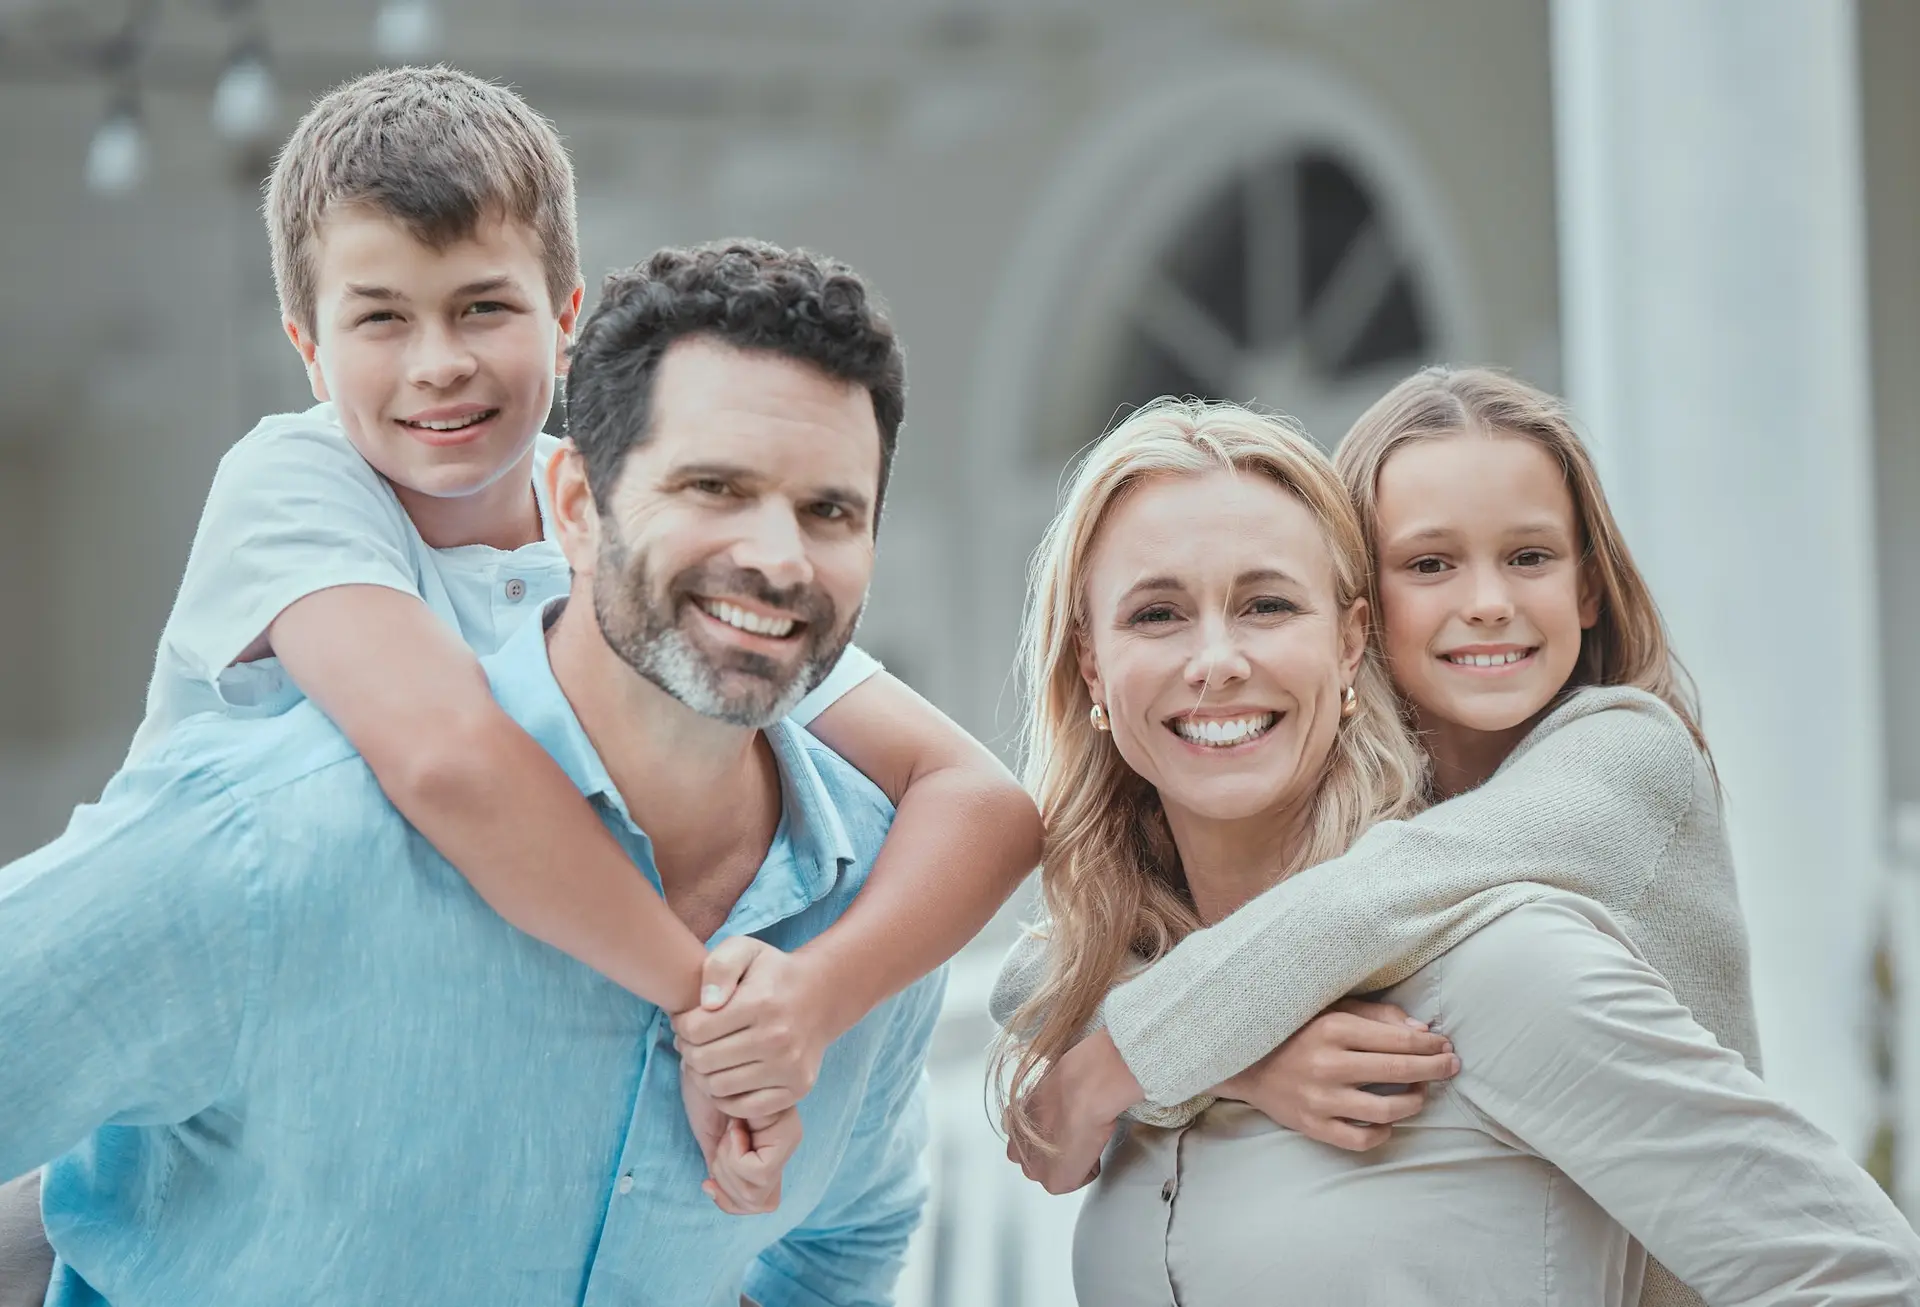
x=452, y=424
x=1221, y=733
x=1487, y=660
x=735, y=616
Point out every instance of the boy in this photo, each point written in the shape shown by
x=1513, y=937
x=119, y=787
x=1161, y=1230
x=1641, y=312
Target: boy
x=359, y=554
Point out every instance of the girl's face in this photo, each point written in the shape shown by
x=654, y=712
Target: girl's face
x=1216, y=641
x=1483, y=592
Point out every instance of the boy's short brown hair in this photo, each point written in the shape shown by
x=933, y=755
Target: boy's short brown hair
x=436, y=149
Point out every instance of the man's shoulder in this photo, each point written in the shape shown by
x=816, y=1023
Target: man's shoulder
x=257, y=760
x=863, y=807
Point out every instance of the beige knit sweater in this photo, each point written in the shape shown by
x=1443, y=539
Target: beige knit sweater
x=1607, y=798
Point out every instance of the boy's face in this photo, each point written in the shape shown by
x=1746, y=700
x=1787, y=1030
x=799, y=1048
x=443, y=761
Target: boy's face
x=440, y=361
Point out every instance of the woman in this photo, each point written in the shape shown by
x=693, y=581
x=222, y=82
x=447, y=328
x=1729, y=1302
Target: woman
x=1199, y=605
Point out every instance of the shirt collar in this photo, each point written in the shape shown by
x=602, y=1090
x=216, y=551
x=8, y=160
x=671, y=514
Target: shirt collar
x=811, y=837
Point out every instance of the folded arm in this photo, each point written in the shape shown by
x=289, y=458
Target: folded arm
x=130, y=951
x=1588, y=809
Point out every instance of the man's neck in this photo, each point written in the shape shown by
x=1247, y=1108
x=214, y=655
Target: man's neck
x=505, y=514
x=706, y=793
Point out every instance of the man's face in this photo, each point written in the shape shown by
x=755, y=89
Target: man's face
x=736, y=547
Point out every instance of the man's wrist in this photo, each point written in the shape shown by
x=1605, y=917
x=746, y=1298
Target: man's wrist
x=1098, y=1081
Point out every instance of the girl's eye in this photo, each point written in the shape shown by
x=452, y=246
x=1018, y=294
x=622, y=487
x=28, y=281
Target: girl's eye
x=1531, y=558
x=1428, y=566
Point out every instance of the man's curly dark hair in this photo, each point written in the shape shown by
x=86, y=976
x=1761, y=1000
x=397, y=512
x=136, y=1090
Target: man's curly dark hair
x=747, y=294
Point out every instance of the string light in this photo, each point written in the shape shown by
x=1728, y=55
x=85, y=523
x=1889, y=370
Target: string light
x=117, y=157
x=245, y=97
x=407, y=30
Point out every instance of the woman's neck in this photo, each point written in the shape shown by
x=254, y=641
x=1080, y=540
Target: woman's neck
x=1228, y=862
x=1464, y=758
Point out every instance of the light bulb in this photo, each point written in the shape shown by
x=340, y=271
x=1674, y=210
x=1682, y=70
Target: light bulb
x=407, y=29
x=117, y=158
x=244, y=99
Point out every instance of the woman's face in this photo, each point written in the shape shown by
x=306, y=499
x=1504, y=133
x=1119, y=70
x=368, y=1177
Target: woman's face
x=1216, y=641
x=1483, y=594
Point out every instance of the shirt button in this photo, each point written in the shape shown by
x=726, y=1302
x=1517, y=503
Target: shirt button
x=516, y=589
x=1166, y=1191
x=626, y=1183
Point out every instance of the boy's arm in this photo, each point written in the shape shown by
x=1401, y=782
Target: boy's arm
x=415, y=703
x=964, y=835
x=130, y=951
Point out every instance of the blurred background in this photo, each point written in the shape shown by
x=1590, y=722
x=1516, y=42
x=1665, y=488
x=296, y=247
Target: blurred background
x=1696, y=217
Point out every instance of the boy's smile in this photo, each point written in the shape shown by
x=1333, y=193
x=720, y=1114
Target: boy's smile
x=441, y=365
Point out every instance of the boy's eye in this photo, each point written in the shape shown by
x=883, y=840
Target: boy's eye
x=378, y=316
x=1428, y=566
x=487, y=306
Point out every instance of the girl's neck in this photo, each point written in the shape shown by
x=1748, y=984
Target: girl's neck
x=1464, y=758
x=1228, y=862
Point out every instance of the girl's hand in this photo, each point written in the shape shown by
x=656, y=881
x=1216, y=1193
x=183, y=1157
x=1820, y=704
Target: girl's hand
x=744, y=1175
x=1317, y=1083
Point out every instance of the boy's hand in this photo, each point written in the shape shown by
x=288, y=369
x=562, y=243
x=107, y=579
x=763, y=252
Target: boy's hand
x=744, y=1158
x=1312, y=1084
x=755, y=1043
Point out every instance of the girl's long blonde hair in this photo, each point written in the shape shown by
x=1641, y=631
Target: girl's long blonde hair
x=1112, y=886
x=1628, y=644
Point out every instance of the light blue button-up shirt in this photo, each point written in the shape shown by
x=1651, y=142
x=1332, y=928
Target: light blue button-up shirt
x=284, y=1053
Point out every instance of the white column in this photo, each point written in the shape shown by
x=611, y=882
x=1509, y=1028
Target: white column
x=1712, y=253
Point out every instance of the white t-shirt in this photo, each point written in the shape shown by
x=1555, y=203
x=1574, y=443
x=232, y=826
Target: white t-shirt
x=294, y=509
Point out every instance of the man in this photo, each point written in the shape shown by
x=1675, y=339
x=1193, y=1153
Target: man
x=303, y=1060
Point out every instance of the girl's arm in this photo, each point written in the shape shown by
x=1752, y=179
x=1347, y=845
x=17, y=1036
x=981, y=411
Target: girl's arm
x=415, y=703
x=1587, y=808
x=1577, y=1050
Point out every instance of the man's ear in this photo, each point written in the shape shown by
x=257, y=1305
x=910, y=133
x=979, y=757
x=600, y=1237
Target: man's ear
x=569, y=318
x=575, y=516
x=1353, y=639
x=307, y=346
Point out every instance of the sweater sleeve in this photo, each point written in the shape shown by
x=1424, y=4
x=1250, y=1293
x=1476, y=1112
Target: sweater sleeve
x=1576, y=1050
x=1588, y=806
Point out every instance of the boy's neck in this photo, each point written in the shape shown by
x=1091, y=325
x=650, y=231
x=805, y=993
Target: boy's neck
x=503, y=515
x=706, y=793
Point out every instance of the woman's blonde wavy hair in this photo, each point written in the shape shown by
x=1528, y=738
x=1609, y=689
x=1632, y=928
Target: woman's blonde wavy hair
x=1113, y=891
x=1628, y=644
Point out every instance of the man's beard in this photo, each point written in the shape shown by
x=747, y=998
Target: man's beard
x=642, y=625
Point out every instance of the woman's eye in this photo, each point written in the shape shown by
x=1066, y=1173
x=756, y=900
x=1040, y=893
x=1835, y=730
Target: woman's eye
x=1157, y=615
x=1269, y=606
x=1428, y=566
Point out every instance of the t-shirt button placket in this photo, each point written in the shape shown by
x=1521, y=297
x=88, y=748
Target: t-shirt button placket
x=625, y=1186
x=516, y=589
